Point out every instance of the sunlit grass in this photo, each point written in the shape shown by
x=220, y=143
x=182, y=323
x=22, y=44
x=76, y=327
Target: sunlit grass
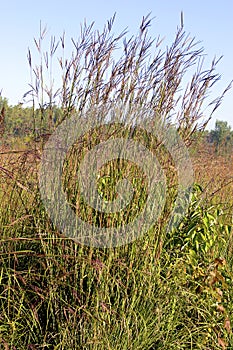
x=164, y=290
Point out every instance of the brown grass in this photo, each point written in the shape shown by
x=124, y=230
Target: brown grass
x=215, y=174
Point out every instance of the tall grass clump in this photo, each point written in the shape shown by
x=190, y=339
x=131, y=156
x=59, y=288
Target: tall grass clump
x=160, y=291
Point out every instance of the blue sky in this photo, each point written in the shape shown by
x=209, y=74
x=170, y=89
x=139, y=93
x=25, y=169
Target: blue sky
x=208, y=21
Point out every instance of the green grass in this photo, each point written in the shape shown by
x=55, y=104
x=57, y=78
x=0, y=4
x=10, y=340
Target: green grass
x=158, y=292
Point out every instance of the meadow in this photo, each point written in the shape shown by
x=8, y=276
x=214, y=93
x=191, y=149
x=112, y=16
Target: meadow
x=166, y=289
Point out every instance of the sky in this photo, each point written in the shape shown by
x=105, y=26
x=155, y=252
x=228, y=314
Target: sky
x=210, y=22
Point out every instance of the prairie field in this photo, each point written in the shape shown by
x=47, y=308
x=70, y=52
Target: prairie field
x=157, y=292
x=167, y=287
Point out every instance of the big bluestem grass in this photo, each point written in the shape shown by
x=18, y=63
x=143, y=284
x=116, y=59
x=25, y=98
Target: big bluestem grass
x=157, y=292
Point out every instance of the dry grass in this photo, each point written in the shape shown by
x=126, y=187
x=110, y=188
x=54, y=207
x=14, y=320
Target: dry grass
x=215, y=173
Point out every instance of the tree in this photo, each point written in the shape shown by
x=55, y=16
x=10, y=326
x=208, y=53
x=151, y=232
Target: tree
x=221, y=136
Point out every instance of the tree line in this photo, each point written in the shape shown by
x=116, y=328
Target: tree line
x=18, y=121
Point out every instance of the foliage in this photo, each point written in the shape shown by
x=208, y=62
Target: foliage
x=222, y=137
x=199, y=231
